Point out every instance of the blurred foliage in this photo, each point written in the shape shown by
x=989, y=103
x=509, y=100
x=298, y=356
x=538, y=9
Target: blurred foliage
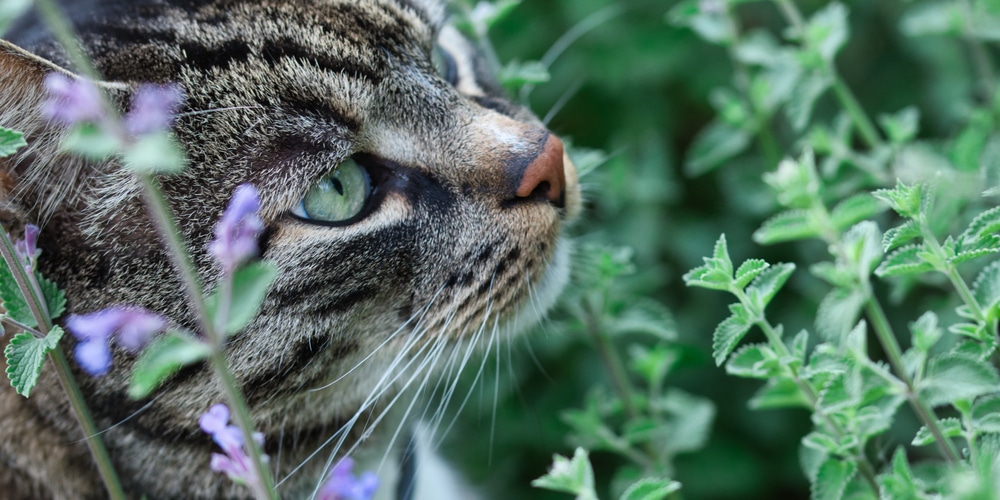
x=673, y=121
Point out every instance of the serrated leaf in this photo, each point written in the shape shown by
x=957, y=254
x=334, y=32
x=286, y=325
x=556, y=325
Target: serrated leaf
x=651, y=488
x=832, y=479
x=767, y=284
x=873, y=420
x=727, y=335
x=855, y=209
x=838, y=276
x=950, y=427
x=952, y=377
x=905, y=260
x=861, y=244
x=789, y=225
x=162, y=358
x=827, y=30
x=717, y=273
x=779, y=393
x=157, y=153
x=926, y=331
x=250, y=286
x=574, y=476
x=55, y=299
x=900, y=235
x=838, y=394
x=904, y=200
x=901, y=126
x=10, y=140
x=986, y=287
x=932, y=18
x=820, y=441
x=898, y=483
x=11, y=298
x=971, y=330
x=717, y=142
x=753, y=361
x=25, y=356
x=692, y=420
x=838, y=312
x=983, y=224
x=645, y=316
x=749, y=270
x=986, y=415
x=803, y=98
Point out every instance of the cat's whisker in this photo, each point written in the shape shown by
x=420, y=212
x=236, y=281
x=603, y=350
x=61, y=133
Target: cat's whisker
x=561, y=102
x=122, y=421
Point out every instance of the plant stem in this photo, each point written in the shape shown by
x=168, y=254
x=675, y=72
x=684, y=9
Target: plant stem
x=980, y=57
x=21, y=326
x=611, y=360
x=949, y=270
x=792, y=15
x=177, y=252
x=886, y=337
x=63, y=371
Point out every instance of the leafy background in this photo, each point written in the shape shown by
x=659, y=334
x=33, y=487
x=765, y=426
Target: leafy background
x=639, y=90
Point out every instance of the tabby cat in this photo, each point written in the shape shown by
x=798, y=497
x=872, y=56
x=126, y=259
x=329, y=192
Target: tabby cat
x=413, y=212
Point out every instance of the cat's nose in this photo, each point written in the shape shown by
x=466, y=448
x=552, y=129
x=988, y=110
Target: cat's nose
x=545, y=177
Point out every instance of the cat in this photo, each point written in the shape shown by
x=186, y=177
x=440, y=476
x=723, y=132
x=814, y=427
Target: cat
x=442, y=237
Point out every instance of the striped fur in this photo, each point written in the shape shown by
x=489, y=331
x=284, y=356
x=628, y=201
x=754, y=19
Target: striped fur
x=444, y=262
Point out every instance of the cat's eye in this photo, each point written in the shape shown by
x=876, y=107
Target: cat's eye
x=445, y=65
x=338, y=197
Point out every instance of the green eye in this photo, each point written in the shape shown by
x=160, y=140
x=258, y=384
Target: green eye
x=337, y=197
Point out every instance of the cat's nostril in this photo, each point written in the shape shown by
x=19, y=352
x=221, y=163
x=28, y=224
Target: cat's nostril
x=545, y=176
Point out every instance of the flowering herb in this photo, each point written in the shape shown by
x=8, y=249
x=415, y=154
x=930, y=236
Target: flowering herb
x=26, y=248
x=72, y=100
x=236, y=233
x=153, y=109
x=235, y=463
x=344, y=485
x=134, y=327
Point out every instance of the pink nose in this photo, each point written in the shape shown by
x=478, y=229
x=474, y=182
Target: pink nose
x=545, y=175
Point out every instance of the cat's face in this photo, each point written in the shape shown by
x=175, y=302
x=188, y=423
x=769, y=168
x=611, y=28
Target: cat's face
x=438, y=230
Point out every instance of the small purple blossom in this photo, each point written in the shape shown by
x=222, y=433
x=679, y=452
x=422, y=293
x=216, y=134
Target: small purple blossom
x=26, y=248
x=343, y=485
x=72, y=100
x=153, y=109
x=235, y=463
x=236, y=233
x=134, y=327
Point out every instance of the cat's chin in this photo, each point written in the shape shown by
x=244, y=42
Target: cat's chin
x=544, y=294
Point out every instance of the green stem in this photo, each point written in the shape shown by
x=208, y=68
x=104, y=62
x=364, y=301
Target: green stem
x=21, y=326
x=63, y=372
x=63, y=32
x=792, y=15
x=612, y=362
x=980, y=57
x=865, y=126
x=886, y=337
x=949, y=270
x=178, y=254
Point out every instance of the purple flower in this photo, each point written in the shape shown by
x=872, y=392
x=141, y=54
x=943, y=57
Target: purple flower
x=26, y=249
x=134, y=327
x=236, y=233
x=235, y=463
x=72, y=100
x=342, y=485
x=153, y=108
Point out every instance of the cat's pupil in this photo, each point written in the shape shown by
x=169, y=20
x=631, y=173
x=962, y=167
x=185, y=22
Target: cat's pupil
x=338, y=186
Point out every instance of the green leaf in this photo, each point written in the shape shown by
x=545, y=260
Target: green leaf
x=796, y=181
x=250, y=286
x=91, y=141
x=651, y=488
x=972, y=330
x=827, y=30
x=727, y=335
x=803, y=98
x=652, y=363
x=855, y=209
x=10, y=140
x=986, y=287
x=779, y=393
x=906, y=260
x=25, y=356
x=767, y=284
x=901, y=126
x=713, y=27
x=12, y=300
x=838, y=312
x=789, y=225
x=157, y=153
x=950, y=427
x=55, y=299
x=953, y=377
x=11, y=10
x=841, y=391
x=932, y=18
x=692, y=420
x=818, y=440
x=713, y=145
x=905, y=200
x=754, y=361
x=162, y=358
x=645, y=316
x=717, y=273
x=861, y=244
x=749, y=270
x=900, y=235
x=926, y=331
x=832, y=479
x=986, y=415
x=516, y=74
x=570, y=476
x=984, y=224
x=838, y=276
x=898, y=483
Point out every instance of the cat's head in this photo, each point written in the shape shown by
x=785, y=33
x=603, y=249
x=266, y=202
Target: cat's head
x=408, y=203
